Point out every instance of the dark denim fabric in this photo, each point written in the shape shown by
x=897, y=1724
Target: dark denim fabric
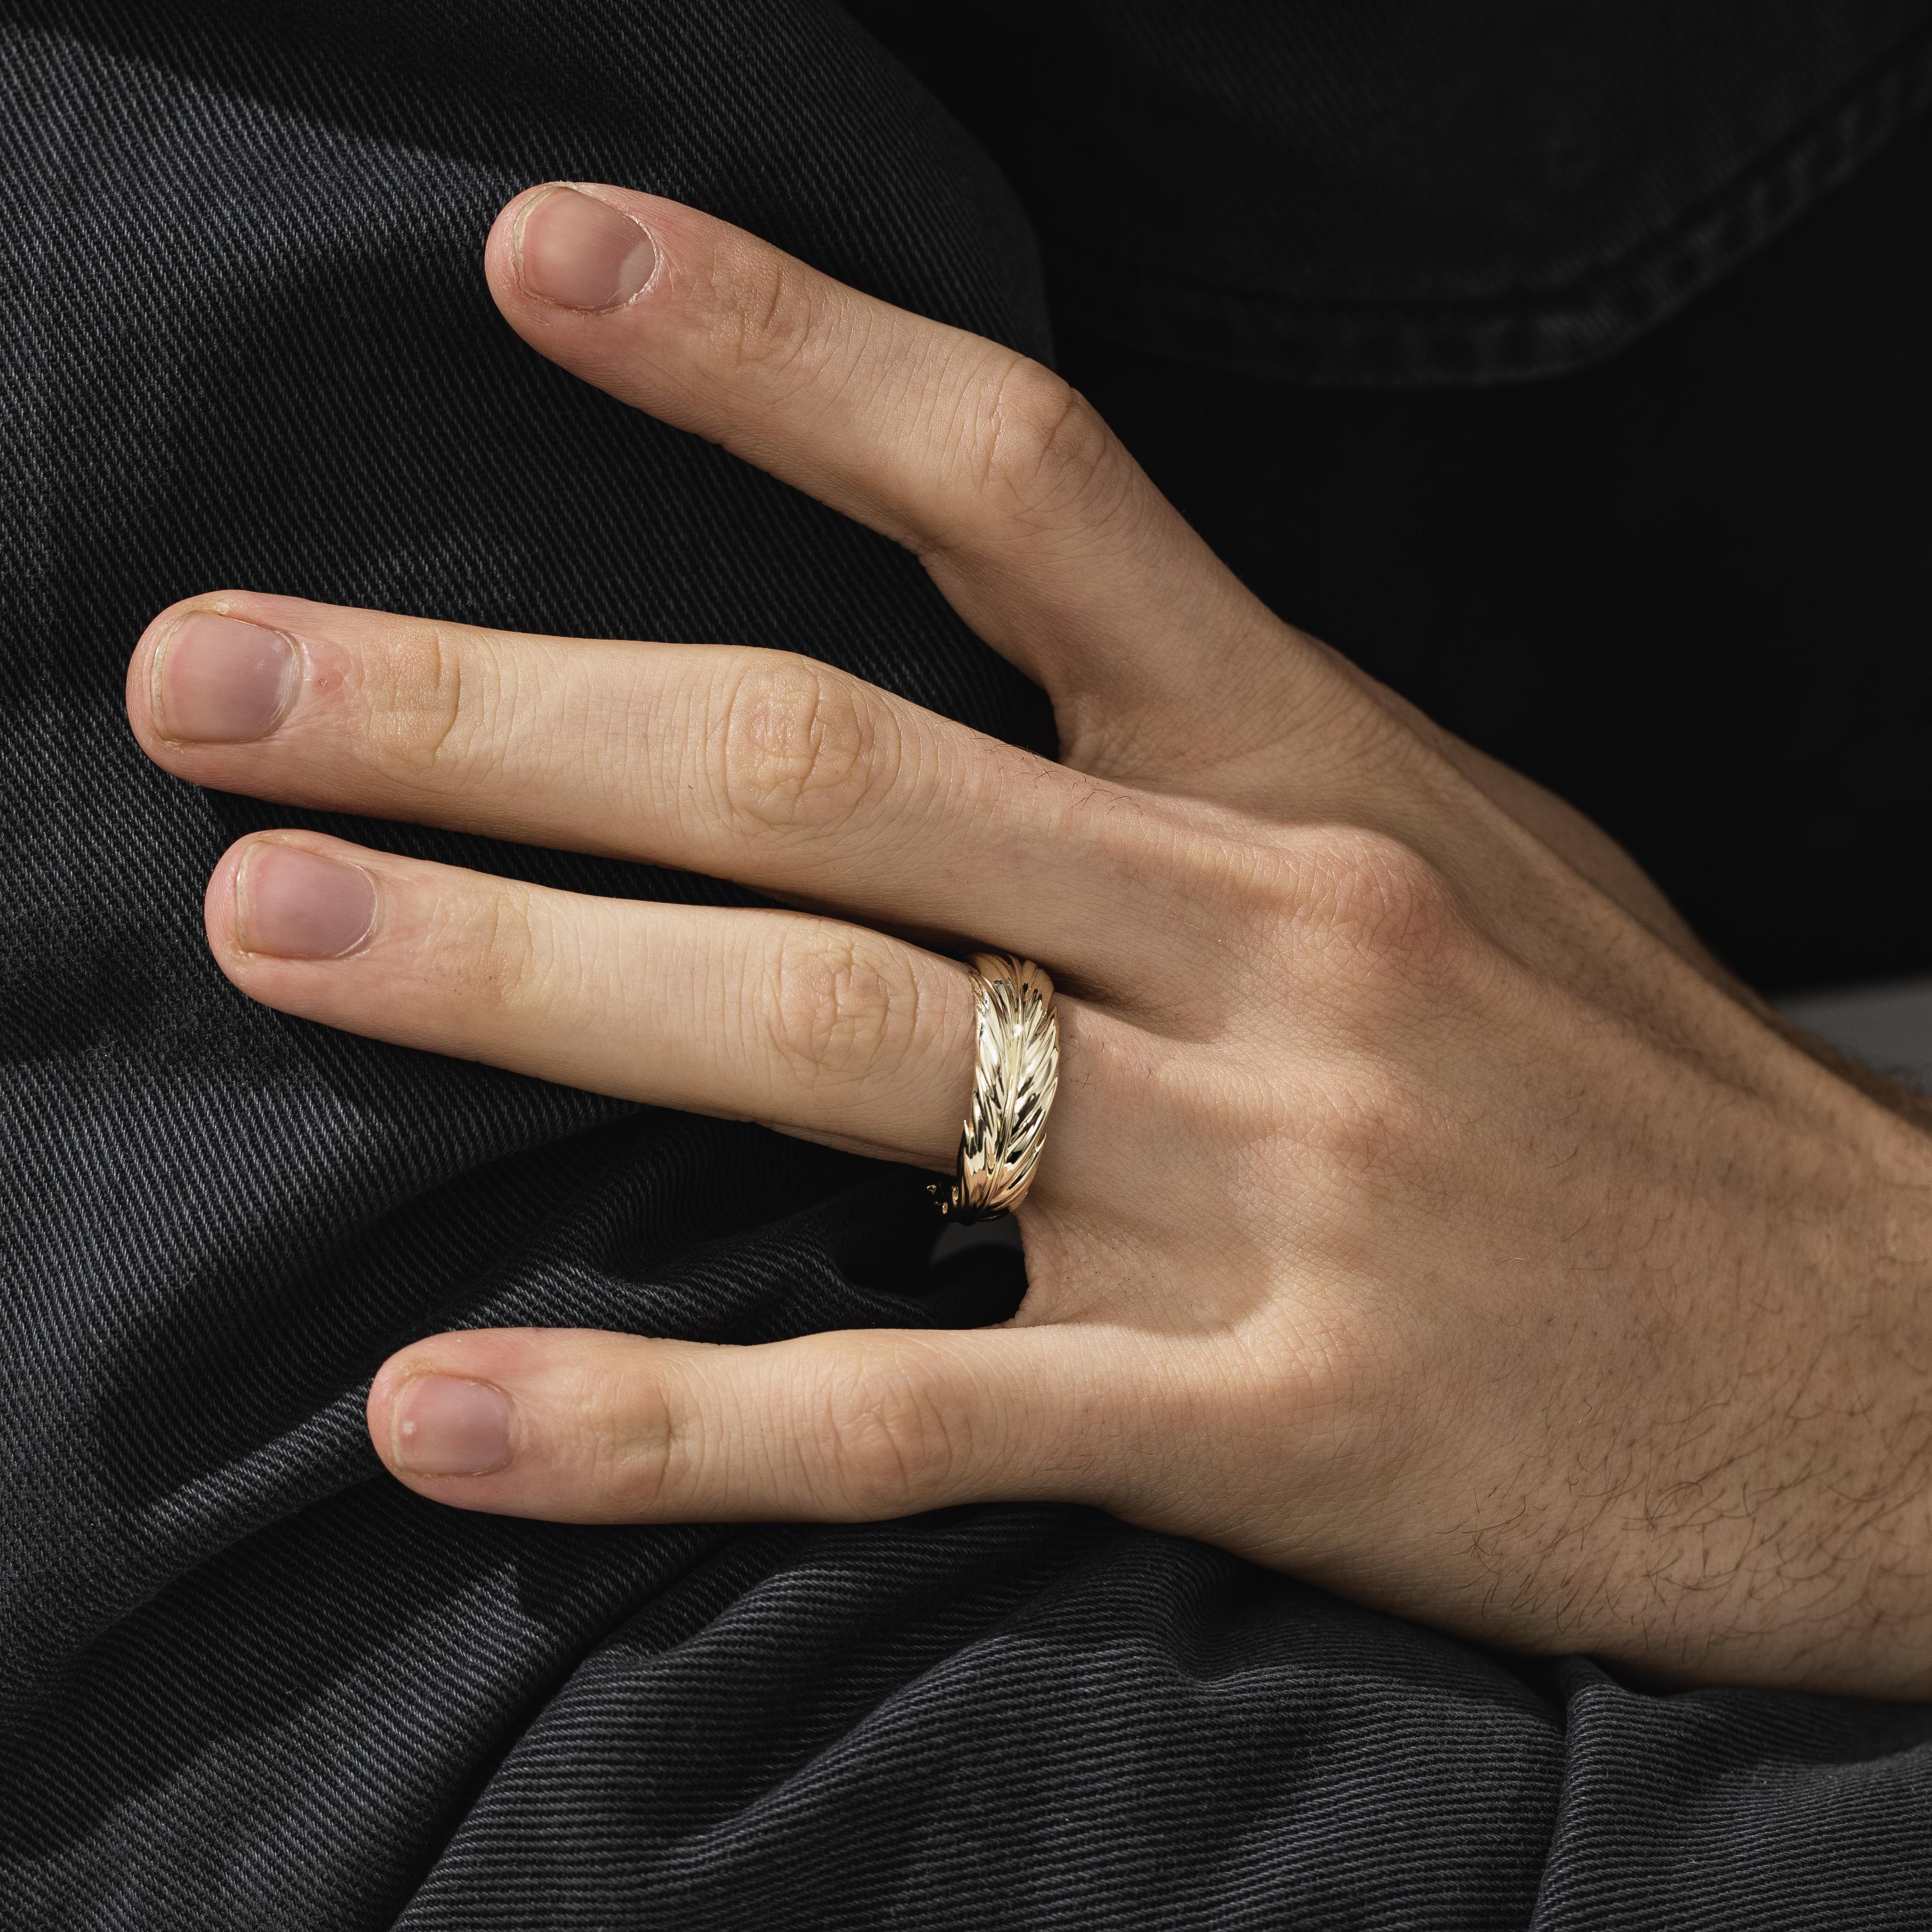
x=1690, y=589
x=1391, y=192
x=246, y=1681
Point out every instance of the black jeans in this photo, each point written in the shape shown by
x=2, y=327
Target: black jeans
x=248, y=1682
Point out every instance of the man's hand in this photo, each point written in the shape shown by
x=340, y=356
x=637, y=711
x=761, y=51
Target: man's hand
x=1422, y=1211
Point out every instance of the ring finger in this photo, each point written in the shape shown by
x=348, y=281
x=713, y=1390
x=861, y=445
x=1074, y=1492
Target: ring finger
x=809, y=1025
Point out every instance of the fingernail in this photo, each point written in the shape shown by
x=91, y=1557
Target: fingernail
x=218, y=681
x=300, y=905
x=442, y=1426
x=580, y=253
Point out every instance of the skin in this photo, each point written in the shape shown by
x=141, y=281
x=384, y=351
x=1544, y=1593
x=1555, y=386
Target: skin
x=1423, y=1212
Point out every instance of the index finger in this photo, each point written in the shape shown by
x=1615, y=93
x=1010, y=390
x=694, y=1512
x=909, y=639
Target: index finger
x=1037, y=525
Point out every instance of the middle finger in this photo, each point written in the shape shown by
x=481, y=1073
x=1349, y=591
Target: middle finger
x=758, y=765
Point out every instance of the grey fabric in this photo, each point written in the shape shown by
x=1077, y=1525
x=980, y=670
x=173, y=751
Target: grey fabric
x=1888, y=1027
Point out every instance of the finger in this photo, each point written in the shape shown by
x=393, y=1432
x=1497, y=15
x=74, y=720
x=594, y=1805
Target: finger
x=807, y=1024
x=579, y=1426
x=1042, y=531
x=1037, y=523
x=758, y=766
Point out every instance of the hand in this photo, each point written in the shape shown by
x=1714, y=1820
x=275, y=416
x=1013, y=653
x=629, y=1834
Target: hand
x=1422, y=1211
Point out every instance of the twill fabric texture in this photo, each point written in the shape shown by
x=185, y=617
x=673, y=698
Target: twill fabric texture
x=247, y=1681
x=1390, y=193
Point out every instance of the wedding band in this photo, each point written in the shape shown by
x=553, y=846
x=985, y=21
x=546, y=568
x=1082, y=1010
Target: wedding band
x=1016, y=1073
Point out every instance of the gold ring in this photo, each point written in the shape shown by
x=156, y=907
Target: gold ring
x=1015, y=1074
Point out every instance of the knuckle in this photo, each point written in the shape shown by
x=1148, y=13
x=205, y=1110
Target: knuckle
x=1043, y=449
x=1378, y=910
x=800, y=748
x=633, y=1459
x=839, y=1007
x=771, y=312
x=1348, y=1372
x=488, y=948
x=429, y=712
x=890, y=1438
